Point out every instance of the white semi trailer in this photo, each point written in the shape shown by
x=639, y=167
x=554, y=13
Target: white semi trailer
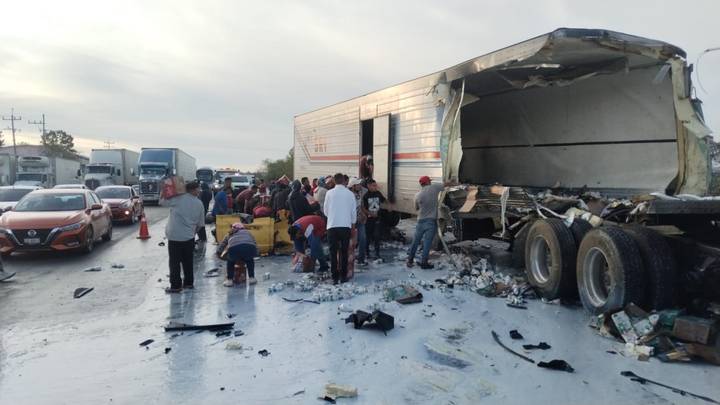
x=111, y=167
x=44, y=171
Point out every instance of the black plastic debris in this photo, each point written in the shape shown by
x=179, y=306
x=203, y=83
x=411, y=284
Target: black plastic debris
x=328, y=399
x=642, y=380
x=560, y=365
x=231, y=316
x=376, y=320
x=239, y=333
x=82, y=291
x=516, y=306
x=214, y=272
x=146, y=342
x=515, y=335
x=161, y=243
x=223, y=333
x=541, y=346
x=167, y=350
x=264, y=353
x=409, y=295
x=178, y=326
x=300, y=300
x=498, y=341
x=117, y=266
x=96, y=268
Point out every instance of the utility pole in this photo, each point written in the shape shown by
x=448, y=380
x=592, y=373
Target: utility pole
x=109, y=144
x=39, y=123
x=12, y=120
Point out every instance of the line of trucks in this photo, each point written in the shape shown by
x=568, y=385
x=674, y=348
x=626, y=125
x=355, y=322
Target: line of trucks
x=106, y=167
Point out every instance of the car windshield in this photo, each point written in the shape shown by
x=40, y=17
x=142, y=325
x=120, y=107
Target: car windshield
x=69, y=186
x=13, y=194
x=99, y=169
x=51, y=202
x=113, y=192
x=153, y=170
x=29, y=176
x=239, y=179
x=205, y=175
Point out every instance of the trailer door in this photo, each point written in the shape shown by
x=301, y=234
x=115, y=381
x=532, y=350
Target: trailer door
x=382, y=154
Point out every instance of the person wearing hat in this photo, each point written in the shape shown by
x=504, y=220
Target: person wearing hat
x=238, y=246
x=309, y=230
x=279, y=197
x=187, y=216
x=426, y=202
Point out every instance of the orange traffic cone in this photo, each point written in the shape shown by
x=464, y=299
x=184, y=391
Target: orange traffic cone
x=144, y=233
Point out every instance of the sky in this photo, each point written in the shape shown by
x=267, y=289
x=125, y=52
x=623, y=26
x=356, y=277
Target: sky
x=222, y=79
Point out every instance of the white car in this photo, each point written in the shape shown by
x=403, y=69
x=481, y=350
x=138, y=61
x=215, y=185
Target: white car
x=241, y=181
x=72, y=186
x=10, y=195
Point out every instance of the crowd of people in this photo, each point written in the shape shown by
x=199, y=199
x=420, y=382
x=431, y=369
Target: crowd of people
x=342, y=211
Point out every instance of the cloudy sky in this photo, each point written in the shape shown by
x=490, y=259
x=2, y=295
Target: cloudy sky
x=222, y=79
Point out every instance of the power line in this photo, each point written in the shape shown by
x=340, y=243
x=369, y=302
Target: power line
x=12, y=120
x=39, y=123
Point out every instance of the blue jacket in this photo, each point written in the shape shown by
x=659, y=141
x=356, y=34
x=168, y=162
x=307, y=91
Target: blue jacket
x=220, y=207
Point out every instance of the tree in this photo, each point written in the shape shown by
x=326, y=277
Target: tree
x=59, y=143
x=274, y=169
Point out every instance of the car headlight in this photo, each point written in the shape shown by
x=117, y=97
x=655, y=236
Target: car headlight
x=71, y=227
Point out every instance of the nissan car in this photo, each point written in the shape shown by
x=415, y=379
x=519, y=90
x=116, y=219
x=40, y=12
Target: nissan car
x=125, y=203
x=55, y=220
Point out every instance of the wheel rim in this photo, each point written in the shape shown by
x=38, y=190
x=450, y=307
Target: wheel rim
x=597, y=278
x=540, y=259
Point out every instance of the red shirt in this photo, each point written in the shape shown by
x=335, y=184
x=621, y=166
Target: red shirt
x=317, y=222
x=262, y=211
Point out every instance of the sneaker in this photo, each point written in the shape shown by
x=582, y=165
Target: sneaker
x=173, y=290
x=410, y=263
x=251, y=281
x=426, y=266
x=228, y=283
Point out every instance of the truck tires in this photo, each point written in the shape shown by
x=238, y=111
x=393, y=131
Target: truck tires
x=579, y=228
x=518, y=246
x=660, y=268
x=609, y=270
x=550, y=255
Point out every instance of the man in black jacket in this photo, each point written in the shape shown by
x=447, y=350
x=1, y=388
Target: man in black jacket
x=298, y=203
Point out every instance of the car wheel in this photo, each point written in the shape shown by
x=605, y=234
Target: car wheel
x=89, y=240
x=659, y=265
x=609, y=270
x=550, y=255
x=108, y=234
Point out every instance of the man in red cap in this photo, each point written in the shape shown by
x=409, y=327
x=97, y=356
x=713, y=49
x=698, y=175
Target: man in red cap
x=426, y=202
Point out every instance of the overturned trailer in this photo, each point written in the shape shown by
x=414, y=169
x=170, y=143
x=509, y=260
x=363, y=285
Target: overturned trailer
x=542, y=136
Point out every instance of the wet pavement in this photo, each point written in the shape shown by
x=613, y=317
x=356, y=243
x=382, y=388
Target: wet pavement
x=55, y=349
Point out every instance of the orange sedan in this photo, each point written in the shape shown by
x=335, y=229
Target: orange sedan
x=125, y=204
x=55, y=219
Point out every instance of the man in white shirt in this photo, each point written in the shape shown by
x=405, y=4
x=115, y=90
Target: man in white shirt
x=340, y=208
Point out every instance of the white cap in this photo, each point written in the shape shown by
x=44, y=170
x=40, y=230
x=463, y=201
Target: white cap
x=354, y=181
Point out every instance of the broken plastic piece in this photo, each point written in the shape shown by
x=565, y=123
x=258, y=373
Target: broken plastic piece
x=516, y=306
x=336, y=391
x=497, y=339
x=264, y=353
x=233, y=346
x=381, y=320
x=223, y=333
x=560, y=365
x=167, y=350
x=541, y=346
x=80, y=292
x=146, y=342
x=238, y=333
x=515, y=335
x=634, y=377
x=96, y=268
x=177, y=326
x=117, y=266
x=214, y=272
x=161, y=244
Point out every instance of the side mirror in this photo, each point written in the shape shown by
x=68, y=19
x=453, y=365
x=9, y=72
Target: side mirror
x=79, y=173
x=96, y=207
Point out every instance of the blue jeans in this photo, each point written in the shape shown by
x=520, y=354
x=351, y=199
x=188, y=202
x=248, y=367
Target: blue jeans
x=316, y=250
x=362, y=242
x=424, y=231
x=244, y=252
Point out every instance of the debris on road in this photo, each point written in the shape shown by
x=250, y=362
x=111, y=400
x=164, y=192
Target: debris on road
x=214, y=272
x=233, y=346
x=376, y=320
x=117, y=266
x=178, y=326
x=167, y=350
x=146, y=342
x=264, y=353
x=223, y=333
x=560, y=365
x=498, y=341
x=634, y=377
x=91, y=269
x=82, y=291
x=541, y=346
x=694, y=329
x=403, y=294
x=335, y=391
x=300, y=300
x=515, y=335
x=238, y=333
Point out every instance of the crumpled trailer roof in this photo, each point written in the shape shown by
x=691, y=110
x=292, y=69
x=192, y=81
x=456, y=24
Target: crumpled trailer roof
x=425, y=113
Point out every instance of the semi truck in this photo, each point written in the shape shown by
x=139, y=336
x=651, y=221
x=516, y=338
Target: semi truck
x=44, y=171
x=205, y=175
x=111, y=167
x=7, y=169
x=584, y=148
x=155, y=164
